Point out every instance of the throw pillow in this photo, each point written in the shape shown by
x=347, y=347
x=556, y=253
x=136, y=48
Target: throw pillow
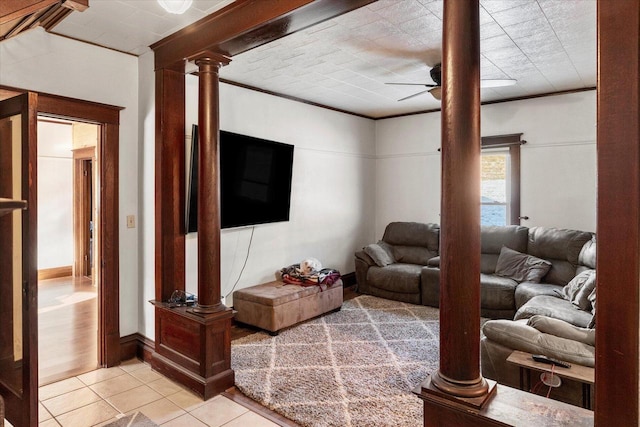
x=580, y=288
x=521, y=267
x=592, y=299
x=380, y=253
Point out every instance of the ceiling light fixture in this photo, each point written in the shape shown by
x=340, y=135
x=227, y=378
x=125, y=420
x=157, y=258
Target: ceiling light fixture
x=177, y=7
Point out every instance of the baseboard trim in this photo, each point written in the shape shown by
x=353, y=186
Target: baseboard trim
x=349, y=279
x=136, y=345
x=55, y=272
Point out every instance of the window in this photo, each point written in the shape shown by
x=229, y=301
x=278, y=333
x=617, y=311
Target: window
x=500, y=196
x=494, y=200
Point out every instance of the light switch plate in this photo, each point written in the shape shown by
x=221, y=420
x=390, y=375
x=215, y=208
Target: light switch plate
x=131, y=221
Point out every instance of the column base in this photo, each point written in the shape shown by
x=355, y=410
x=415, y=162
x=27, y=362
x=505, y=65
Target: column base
x=474, y=393
x=194, y=349
x=207, y=309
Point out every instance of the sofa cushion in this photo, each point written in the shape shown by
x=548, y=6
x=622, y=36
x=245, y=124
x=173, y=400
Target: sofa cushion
x=521, y=267
x=413, y=234
x=587, y=255
x=559, y=246
x=579, y=288
x=520, y=336
x=555, y=307
x=488, y=263
x=497, y=292
x=560, y=328
x=381, y=253
x=412, y=254
x=400, y=278
x=493, y=238
x=527, y=290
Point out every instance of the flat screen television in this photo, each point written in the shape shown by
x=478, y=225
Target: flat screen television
x=255, y=181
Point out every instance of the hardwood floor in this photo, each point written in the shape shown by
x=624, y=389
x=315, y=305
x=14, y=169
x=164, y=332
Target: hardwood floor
x=67, y=328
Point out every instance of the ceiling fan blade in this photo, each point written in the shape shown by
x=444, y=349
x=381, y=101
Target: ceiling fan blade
x=497, y=82
x=436, y=92
x=414, y=95
x=413, y=84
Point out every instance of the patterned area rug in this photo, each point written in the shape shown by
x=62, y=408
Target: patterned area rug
x=356, y=367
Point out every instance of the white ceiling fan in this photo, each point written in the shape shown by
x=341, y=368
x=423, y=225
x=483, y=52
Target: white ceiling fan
x=435, y=89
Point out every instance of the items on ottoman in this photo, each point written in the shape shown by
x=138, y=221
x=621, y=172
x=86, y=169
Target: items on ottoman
x=308, y=273
x=276, y=305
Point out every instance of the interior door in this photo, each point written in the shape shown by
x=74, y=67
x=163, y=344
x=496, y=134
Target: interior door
x=18, y=260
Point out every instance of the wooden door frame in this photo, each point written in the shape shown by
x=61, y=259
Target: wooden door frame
x=81, y=211
x=108, y=118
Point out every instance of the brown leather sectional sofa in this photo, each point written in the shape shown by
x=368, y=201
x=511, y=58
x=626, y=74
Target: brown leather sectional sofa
x=411, y=272
x=534, y=312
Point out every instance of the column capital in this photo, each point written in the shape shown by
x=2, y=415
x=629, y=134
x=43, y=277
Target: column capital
x=209, y=57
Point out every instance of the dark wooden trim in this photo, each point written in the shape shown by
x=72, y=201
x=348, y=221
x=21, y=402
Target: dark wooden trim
x=93, y=44
x=55, y=272
x=246, y=24
x=349, y=279
x=501, y=140
x=83, y=192
x=129, y=346
x=514, y=177
x=108, y=117
x=540, y=95
x=169, y=183
x=498, y=101
x=618, y=214
x=21, y=398
x=512, y=142
x=138, y=346
x=13, y=9
x=108, y=241
x=64, y=107
x=294, y=98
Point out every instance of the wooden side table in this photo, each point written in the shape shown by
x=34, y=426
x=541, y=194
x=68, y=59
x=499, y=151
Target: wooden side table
x=579, y=373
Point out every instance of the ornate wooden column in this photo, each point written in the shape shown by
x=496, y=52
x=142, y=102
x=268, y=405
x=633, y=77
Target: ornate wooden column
x=618, y=226
x=208, y=182
x=193, y=345
x=459, y=375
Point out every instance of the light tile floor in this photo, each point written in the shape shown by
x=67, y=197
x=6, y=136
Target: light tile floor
x=100, y=397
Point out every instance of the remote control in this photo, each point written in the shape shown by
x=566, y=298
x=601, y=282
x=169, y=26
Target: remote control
x=544, y=359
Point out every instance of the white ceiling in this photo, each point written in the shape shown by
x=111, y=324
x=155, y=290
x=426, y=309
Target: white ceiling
x=344, y=63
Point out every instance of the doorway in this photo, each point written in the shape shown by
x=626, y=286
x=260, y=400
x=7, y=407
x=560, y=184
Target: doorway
x=21, y=399
x=68, y=287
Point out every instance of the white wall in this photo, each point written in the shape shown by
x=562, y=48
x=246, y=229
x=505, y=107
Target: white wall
x=55, y=195
x=558, y=170
x=332, y=197
x=40, y=61
x=351, y=175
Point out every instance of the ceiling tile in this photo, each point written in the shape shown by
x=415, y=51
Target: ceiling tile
x=517, y=15
x=545, y=45
x=493, y=6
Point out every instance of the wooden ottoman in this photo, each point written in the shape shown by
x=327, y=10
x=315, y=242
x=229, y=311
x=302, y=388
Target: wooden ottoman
x=275, y=305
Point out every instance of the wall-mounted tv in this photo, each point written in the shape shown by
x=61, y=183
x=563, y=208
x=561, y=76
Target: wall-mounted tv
x=255, y=181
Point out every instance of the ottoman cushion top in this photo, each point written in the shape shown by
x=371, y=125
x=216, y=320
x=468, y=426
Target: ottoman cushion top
x=277, y=293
